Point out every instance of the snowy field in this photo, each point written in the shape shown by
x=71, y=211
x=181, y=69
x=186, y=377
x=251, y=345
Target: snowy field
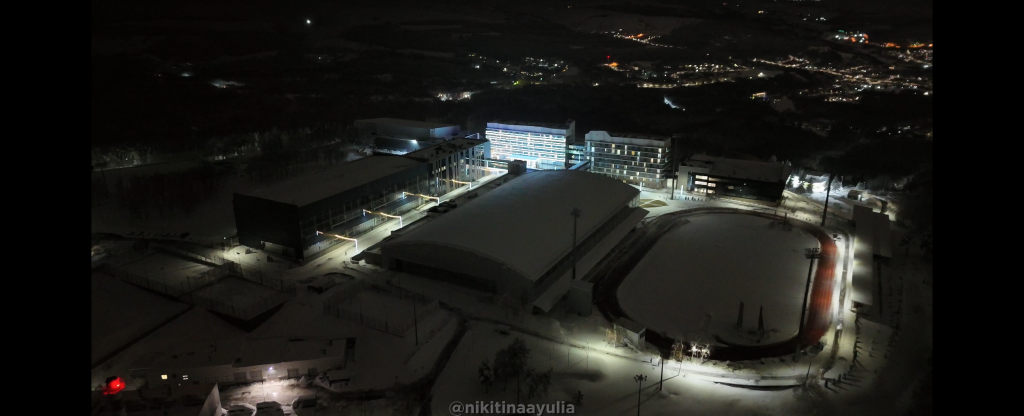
x=121, y=312
x=693, y=280
x=235, y=291
x=164, y=268
x=382, y=307
x=605, y=381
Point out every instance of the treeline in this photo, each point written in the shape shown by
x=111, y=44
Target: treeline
x=165, y=194
x=287, y=153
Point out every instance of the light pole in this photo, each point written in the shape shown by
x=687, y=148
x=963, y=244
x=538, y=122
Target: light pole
x=575, y=217
x=588, y=355
x=811, y=254
x=639, y=378
x=661, y=383
x=415, y=318
x=828, y=190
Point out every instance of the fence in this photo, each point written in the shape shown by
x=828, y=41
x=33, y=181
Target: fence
x=258, y=276
x=184, y=290
x=214, y=274
x=147, y=283
x=394, y=326
x=208, y=256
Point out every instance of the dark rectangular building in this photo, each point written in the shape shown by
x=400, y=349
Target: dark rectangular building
x=284, y=218
x=761, y=182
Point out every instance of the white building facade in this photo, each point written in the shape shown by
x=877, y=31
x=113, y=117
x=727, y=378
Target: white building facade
x=542, y=146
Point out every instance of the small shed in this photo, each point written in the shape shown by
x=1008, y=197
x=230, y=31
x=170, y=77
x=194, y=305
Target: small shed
x=631, y=331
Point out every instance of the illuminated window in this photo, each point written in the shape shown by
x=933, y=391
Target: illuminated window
x=163, y=376
x=701, y=177
x=700, y=182
x=184, y=376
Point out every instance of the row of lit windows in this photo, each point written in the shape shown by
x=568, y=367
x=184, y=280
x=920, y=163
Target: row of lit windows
x=628, y=173
x=624, y=146
x=628, y=168
x=625, y=160
x=634, y=151
x=598, y=145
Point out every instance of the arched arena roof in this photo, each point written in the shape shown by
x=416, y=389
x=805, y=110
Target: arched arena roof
x=525, y=224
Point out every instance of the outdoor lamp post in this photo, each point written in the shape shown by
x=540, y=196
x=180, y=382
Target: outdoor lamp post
x=811, y=254
x=640, y=379
x=575, y=217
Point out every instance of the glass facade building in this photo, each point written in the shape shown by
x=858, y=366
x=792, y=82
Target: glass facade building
x=542, y=146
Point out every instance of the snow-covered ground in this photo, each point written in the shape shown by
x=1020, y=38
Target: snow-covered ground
x=112, y=327
x=236, y=292
x=601, y=371
x=605, y=381
x=691, y=283
x=165, y=268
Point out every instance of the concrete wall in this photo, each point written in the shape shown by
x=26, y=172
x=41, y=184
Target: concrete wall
x=225, y=374
x=453, y=265
x=212, y=405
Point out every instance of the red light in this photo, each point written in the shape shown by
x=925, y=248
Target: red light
x=114, y=386
x=608, y=57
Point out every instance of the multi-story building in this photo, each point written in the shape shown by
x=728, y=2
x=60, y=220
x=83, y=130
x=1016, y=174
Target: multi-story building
x=541, y=145
x=455, y=161
x=761, y=182
x=635, y=159
x=397, y=136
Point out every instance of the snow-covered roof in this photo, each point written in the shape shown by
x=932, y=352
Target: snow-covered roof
x=627, y=138
x=863, y=255
x=547, y=128
x=407, y=123
x=310, y=188
x=526, y=224
x=630, y=325
x=744, y=169
x=282, y=350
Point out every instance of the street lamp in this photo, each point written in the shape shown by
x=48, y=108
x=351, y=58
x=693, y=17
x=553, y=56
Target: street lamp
x=811, y=254
x=343, y=238
x=575, y=217
x=639, y=378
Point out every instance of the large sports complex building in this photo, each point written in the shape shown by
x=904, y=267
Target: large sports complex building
x=517, y=239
